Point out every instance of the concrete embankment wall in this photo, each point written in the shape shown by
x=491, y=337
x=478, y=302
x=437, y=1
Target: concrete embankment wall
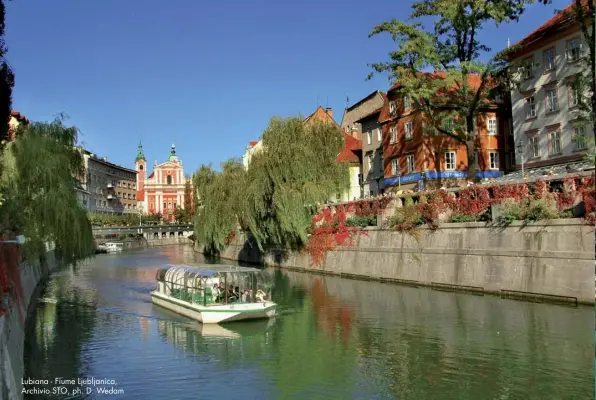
x=12, y=328
x=552, y=260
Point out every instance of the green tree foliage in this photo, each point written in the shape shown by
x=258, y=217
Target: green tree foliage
x=6, y=80
x=188, y=203
x=276, y=197
x=97, y=219
x=462, y=84
x=37, y=182
x=221, y=206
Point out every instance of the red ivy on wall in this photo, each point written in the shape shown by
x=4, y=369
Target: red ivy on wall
x=329, y=228
x=11, y=291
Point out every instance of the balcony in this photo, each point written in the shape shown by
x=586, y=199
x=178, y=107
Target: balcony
x=110, y=186
x=110, y=196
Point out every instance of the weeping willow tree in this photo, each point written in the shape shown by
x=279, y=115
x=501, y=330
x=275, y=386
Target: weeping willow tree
x=295, y=171
x=38, y=183
x=220, y=208
x=277, y=196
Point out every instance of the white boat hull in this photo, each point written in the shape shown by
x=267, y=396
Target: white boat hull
x=214, y=314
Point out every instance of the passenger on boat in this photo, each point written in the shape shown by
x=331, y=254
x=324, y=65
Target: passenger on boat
x=261, y=296
x=215, y=293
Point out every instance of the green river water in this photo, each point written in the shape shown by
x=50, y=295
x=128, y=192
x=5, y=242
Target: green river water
x=334, y=338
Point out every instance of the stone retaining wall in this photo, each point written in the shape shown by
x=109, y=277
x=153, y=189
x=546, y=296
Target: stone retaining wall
x=552, y=260
x=12, y=329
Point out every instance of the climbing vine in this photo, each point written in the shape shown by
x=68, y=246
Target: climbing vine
x=473, y=203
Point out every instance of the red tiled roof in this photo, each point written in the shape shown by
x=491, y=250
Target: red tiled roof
x=562, y=19
x=152, y=175
x=253, y=144
x=350, y=150
x=19, y=117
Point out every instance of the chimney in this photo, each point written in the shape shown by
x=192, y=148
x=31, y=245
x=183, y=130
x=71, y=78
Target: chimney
x=329, y=111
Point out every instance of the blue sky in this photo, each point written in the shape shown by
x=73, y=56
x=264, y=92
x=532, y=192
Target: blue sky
x=204, y=75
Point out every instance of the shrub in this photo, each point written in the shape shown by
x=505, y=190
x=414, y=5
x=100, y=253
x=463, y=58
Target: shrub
x=540, y=209
x=362, y=221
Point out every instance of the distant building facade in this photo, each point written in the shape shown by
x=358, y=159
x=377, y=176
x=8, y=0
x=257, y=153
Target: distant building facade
x=544, y=106
x=163, y=190
x=415, y=160
x=16, y=119
x=108, y=188
x=362, y=108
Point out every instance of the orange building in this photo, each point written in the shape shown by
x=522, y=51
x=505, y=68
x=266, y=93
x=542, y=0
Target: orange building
x=163, y=191
x=415, y=158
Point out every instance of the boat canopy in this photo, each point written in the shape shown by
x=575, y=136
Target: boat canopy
x=199, y=276
x=185, y=281
x=203, y=271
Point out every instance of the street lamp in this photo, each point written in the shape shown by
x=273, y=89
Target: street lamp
x=520, y=150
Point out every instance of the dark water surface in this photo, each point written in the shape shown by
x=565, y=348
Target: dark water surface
x=334, y=339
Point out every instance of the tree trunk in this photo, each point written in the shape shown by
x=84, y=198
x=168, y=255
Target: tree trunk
x=470, y=140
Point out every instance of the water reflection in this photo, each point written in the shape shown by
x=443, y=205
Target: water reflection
x=333, y=339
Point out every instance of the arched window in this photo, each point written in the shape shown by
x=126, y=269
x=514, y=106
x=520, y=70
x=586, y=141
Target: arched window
x=169, y=179
x=141, y=167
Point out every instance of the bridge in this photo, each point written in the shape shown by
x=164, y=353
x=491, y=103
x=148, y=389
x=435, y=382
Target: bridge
x=148, y=231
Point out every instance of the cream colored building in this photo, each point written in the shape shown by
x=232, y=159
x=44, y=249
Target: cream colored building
x=544, y=106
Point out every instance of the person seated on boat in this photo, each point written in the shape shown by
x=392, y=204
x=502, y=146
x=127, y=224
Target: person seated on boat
x=215, y=293
x=260, y=296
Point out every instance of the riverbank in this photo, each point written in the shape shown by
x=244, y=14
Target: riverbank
x=546, y=260
x=12, y=326
x=138, y=243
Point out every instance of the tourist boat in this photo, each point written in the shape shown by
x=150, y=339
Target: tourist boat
x=193, y=291
x=111, y=247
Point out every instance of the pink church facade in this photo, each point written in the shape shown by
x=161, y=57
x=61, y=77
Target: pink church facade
x=163, y=190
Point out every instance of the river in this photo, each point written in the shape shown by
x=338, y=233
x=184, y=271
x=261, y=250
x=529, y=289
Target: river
x=334, y=338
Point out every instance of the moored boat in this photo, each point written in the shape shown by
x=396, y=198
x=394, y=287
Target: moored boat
x=110, y=247
x=213, y=294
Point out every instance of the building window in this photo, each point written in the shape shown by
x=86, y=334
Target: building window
x=475, y=160
x=530, y=107
x=169, y=179
x=369, y=159
x=492, y=126
x=392, y=108
x=450, y=160
x=394, y=167
x=534, y=146
x=407, y=102
x=369, y=137
x=134, y=196
x=409, y=130
x=380, y=155
x=573, y=50
x=392, y=135
x=379, y=135
x=552, y=103
x=494, y=160
x=165, y=206
x=549, y=59
x=527, y=68
x=573, y=96
x=411, y=163
x=579, y=137
x=554, y=142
